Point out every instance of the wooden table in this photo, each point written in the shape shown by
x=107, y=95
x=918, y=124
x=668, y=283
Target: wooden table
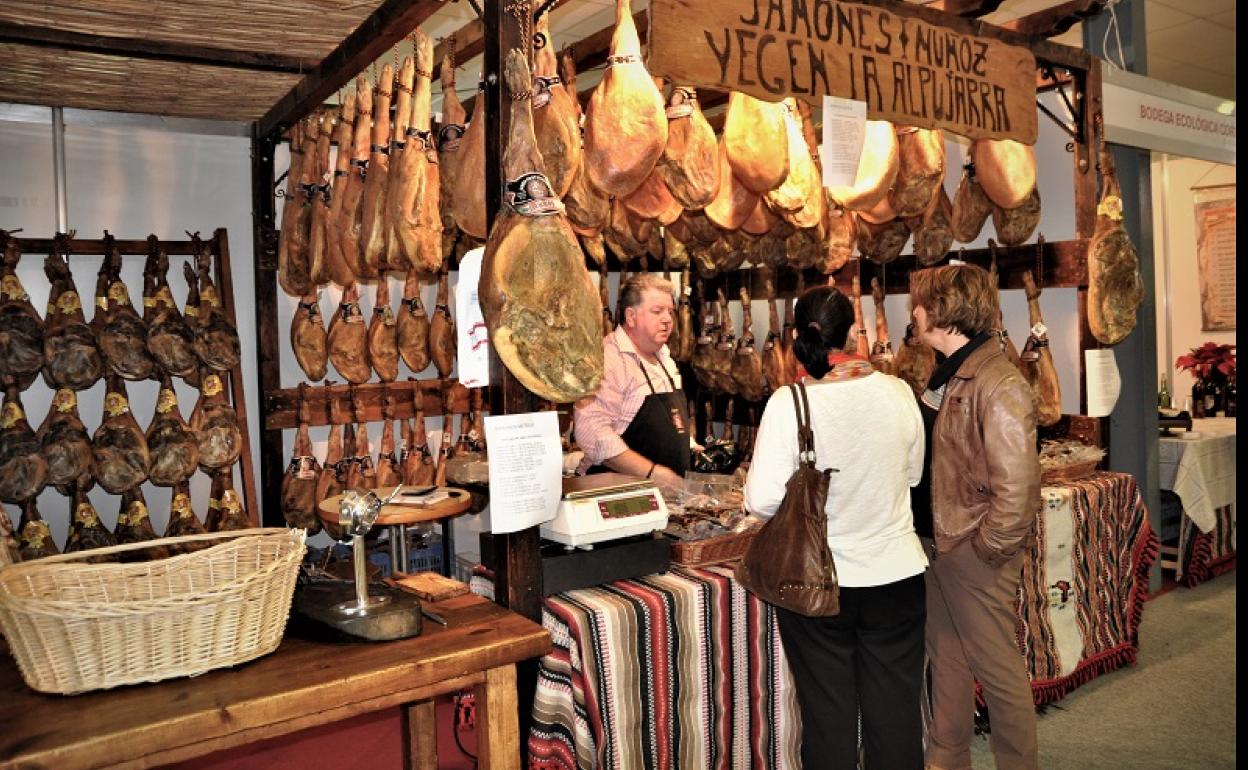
x=305, y=683
x=399, y=514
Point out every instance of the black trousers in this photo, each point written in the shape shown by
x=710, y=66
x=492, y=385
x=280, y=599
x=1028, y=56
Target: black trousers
x=868, y=658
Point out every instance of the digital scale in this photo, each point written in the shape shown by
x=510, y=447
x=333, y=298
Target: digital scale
x=605, y=506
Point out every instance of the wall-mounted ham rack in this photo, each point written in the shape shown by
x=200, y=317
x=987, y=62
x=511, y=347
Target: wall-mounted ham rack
x=219, y=246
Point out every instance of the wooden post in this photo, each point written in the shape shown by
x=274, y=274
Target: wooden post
x=225, y=280
x=518, y=565
x=268, y=361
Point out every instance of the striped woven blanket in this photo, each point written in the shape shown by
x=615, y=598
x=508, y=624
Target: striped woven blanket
x=680, y=670
x=1084, y=584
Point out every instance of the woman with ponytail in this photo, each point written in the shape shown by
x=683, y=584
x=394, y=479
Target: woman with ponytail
x=869, y=657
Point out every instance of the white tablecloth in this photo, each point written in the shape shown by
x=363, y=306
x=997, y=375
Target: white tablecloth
x=1201, y=471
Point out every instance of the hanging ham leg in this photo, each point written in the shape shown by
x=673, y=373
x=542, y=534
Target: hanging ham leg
x=383, y=350
x=330, y=481
x=1014, y=226
x=920, y=170
x=86, y=531
x=348, y=338
x=34, y=537
x=538, y=300
x=308, y=338
x=796, y=198
x=182, y=518
x=349, y=220
x=450, y=137
x=294, y=267
x=413, y=326
x=862, y=345
x=215, y=423
x=556, y=120
x=232, y=515
x=216, y=340
x=747, y=366
x=468, y=198
x=882, y=349
x=725, y=350
x=335, y=266
x=1115, y=289
x=322, y=194
x=23, y=467
x=71, y=358
x=915, y=362
x=415, y=202
x=134, y=523
x=756, y=143
x=971, y=207
x=933, y=233
x=446, y=447
x=1037, y=361
x=773, y=349
x=299, y=483
x=684, y=321
x=442, y=343
x=172, y=446
x=371, y=259
x=689, y=165
x=389, y=471
x=625, y=124
x=787, y=332
x=65, y=443
x=119, y=448
x=170, y=339
x=401, y=141
x=418, y=465
x=608, y=318
x=877, y=169
x=121, y=333
x=734, y=202
x=882, y=243
x=1005, y=169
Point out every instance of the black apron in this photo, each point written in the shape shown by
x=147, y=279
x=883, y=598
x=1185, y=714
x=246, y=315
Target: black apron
x=658, y=431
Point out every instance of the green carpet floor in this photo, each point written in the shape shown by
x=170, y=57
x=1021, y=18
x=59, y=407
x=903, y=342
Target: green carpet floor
x=1174, y=710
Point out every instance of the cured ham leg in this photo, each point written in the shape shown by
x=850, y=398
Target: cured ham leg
x=121, y=333
x=216, y=340
x=335, y=266
x=389, y=472
x=705, y=345
x=724, y=351
x=773, y=349
x=416, y=199
x=468, y=199
x=371, y=258
x=538, y=300
x=915, y=362
x=1036, y=361
x=134, y=523
x=34, y=537
x=348, y=338
x=86, y=531
x=933, y=232
x=971, y=207
x=442, y=343
x=862, y=345
x=182, y=519
x=418, y=465
x=684, y=321
x=556, y=119
x=802, y=184
x=401, y=143
x=294, y=269
x=1014, y=226
x=308, y=338
x=689, y=165
x=170, y=338
x=877, y=169
x=450, y=138
x=920, y=170
x=321, y=200
x=1005, y=169
x=756, y=142
x=65, y=444
x=348, y=222
x=882, y=243
x=747, y=366
x=172, y=446
x=215, y=424
x=383, y=346
x=413, y=326
x=119, y=448
x=608, y=318
x=787, y=333
x=330, y=481
x=734, y=202
x=1115, y=289
x=882, y=349
x=625, y=124
x=299, y=483
x=23, y=467
x=71, y=358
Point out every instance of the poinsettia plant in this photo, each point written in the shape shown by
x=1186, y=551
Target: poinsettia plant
x=1208, y=359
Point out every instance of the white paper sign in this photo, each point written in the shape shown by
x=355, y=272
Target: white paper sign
x=473, y=339
x=526, y=469
x=1103, y=381
x=844, y=130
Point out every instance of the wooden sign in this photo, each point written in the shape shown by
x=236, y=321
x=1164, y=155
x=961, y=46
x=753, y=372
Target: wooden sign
x=1215, y=256
x=907, y=68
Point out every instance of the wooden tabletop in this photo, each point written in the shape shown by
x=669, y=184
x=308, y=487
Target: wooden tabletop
x=306, y=682
x=399, y=512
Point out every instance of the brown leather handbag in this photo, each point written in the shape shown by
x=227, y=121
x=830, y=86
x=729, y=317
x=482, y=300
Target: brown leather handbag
x=789, y=564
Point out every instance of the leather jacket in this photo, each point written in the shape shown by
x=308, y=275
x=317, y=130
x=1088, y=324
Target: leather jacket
x=985, y=468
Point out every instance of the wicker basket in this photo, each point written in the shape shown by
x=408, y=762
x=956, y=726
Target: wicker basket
x=712, y=550
x=1067, y=473
x=74, y=626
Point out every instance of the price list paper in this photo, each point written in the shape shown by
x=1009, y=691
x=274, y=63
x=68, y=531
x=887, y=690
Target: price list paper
x=526, y=469
x=1215, y=256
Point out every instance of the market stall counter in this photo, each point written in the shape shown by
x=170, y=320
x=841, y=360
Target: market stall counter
x=305, y=683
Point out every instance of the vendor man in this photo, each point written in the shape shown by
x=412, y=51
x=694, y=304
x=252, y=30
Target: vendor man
x=636, y=423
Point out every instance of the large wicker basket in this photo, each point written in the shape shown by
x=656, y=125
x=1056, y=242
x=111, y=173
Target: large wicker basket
x=75, y=626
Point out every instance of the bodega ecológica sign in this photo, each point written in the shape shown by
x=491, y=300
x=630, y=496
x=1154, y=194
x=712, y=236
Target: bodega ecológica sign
x=908, y=70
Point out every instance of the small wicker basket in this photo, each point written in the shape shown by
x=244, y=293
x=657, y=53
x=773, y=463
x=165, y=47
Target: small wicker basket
x=75, y=626
x=1066, y=473
x=712, y=550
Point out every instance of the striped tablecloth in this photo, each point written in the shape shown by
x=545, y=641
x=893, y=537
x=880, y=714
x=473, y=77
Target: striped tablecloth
x=1202, y=473
x=1084, y=583
x=681, y=670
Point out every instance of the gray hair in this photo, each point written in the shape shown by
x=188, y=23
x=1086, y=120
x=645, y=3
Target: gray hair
x=637, y=285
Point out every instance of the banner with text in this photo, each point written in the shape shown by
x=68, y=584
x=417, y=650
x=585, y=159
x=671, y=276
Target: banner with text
x=907, y=69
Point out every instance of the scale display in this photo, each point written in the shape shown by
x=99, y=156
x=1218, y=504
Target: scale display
x=624, y=507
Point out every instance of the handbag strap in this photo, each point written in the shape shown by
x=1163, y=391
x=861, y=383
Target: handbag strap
x=805, y=436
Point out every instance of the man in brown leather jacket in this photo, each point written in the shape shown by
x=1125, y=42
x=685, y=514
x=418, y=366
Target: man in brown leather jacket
x=984, y=496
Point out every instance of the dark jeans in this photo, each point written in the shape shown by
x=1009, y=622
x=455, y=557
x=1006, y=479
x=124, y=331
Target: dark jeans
x=869, y=657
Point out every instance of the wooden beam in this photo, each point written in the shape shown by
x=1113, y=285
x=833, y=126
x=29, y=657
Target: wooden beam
x=385, y=27
x=143, y=48
x=331, y=404
x=1051, y=22
x=968, y=8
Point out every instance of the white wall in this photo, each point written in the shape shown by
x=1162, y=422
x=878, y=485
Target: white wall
x=131, y=181
x=1178, y=280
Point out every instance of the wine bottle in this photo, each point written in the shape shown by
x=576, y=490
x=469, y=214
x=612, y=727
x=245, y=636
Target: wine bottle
x=1213, y=398
x=1229, y=397
x=1163, y=395
x=1198, y=400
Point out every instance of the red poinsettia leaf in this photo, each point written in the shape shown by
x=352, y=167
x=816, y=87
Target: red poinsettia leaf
x=1226, y=368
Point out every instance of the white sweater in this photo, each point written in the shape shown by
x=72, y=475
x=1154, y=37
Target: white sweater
x=870, y=430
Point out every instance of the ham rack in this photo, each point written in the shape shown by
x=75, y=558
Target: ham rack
x=218, y=244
